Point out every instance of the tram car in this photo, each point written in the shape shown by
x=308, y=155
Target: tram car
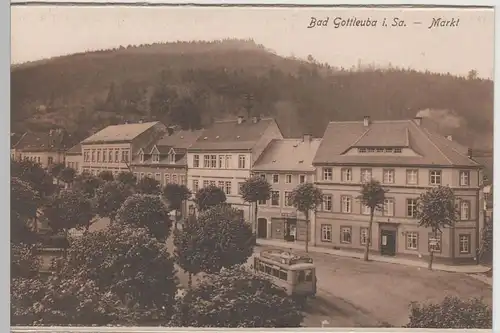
x=295, y=273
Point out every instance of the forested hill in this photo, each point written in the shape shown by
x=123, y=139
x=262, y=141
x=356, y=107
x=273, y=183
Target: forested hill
x=192, y=83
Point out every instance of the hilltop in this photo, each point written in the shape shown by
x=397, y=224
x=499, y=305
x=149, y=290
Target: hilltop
x=193, y=83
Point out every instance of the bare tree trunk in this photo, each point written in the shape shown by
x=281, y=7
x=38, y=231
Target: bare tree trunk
x=431, y=250
x=255, y=218
x=307, y=231
x=369, y=236
x=190, y=280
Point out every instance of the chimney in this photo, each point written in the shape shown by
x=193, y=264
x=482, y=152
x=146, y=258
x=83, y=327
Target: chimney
x=418, y=120
x=140, y=121
x=449, y=137
x=255, y=119
x=240, y=119
x=307, y=138
x=170, y=131
x=469, y=153
x=366, y=121
x=51, y=132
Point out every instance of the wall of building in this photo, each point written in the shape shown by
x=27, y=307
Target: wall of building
x=164, y=174
x=113, y=166
x=44, y=158
x=75, y=162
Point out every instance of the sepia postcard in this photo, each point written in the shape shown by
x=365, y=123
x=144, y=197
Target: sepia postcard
x=244, y=166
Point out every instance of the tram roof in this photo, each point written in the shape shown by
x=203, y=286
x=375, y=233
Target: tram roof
x=285, y=257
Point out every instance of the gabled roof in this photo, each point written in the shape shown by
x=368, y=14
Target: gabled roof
x=230, y=135
x=75, y=150
x=53, y=140
x=14, y=139
x=288, y=155
x=430, y=147
x=120, y=133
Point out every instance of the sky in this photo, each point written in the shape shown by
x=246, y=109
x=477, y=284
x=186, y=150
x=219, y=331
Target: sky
x=39, y=32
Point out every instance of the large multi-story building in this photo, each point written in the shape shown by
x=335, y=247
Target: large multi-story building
x=224, y=153
x=45, y=148
x=165, y=160
x=408, y=158
x=114, y=147
x=285, y=163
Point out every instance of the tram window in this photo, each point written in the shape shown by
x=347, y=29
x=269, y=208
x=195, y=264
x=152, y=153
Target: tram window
x=309, y=275
x=300, y=276
x=276, y=273
x=268, y=269
x=283, y=275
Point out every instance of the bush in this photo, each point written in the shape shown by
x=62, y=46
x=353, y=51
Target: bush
x=452, y=312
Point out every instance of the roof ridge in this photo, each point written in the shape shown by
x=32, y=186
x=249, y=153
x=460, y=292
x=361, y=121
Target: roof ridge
x=451, y=147
x=427, y=134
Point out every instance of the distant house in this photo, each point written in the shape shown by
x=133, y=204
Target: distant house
x=74, y=158
x=224, y=153
x=285, y=163
x=113, y=148
x=45, y=148
x=407, y=158
x=166, y=159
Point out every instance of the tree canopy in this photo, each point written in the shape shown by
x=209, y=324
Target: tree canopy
x=67, y=210
x=148, y=185
x=208, y=197
x=109, y=197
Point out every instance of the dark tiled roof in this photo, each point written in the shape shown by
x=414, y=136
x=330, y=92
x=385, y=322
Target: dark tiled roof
x=75, y=150
x=229, y=135
x=430, y=147
x=288, y=155
x=55, y=140
x=178, y=140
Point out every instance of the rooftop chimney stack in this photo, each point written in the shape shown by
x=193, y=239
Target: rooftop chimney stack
x=240, y=119
x=141, y=121
x=366, y=121
x=418, y=120
x=449, y=137
x=307, y=138
x=469, y=153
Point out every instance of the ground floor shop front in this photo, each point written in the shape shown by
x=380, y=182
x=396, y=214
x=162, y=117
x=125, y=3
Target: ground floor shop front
x=394, y=237
x=282, y=226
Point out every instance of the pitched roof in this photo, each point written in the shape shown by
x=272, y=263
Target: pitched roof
x=75, y=150
x=178, y=140
x=430, y=147
x=53, y=140
x=230, y=135
x=288, y=155
x=122, y=132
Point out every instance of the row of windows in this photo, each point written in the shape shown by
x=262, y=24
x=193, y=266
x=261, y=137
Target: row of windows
x=411, y=239
x=214, y=161
x=275, y=271
x=225, y=185
x=346, y=203
x=388, y=176
x=36, y=159
x=167, y=178
x=155, y=158
x=106, y=155
x=275, y=178
x=380, y=150
x=72, y=165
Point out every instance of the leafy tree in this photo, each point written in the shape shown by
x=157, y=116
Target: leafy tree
x=176, y=195
x=25, y=262
x=24, y=203
x=146, y=211
x=106, y=176
x=87, y=183
x=148, y=185
x=436, y=210
x=451, y=313
x=218, y=238
x=109, y=197
x=372, y=195
x=70, y=302
x=67, y=175
x=55, y=170
x=256, y=189
x=208, y=197
x=33, y=174
x=237, y=298
x=127, y=178
x=68, y=210
x=123, y=260
x=306, y=197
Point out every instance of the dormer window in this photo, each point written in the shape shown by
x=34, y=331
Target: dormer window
x=141, y=157
x=156, y=158
x=171, y=158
